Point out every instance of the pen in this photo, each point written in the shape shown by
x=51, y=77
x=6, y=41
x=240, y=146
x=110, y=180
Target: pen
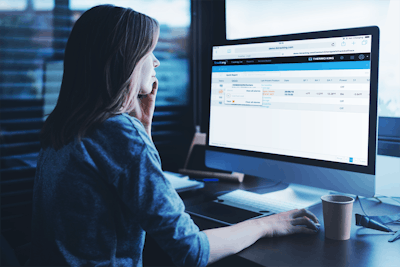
x=395, y=237
x=208, y=180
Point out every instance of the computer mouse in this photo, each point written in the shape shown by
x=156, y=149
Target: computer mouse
x=316, y=224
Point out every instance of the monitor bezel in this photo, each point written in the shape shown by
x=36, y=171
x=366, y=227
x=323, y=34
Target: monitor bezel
x=372, y=134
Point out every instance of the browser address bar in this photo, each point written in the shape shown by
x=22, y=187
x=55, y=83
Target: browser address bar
x=274, y=48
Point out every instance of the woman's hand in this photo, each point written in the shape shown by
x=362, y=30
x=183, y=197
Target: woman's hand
x=290, y=222
x=225, y=241
x=144, y=108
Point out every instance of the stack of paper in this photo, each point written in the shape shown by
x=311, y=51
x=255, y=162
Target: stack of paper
x=182, y=183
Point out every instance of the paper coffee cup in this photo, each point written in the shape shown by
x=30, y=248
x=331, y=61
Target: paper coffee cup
x=337, y=211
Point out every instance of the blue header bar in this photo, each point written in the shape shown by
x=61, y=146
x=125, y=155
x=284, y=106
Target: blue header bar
x=348, y=65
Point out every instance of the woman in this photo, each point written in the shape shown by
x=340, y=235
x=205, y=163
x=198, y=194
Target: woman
x=99, y=186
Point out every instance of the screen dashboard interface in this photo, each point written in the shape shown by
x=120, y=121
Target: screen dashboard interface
x=302, y=98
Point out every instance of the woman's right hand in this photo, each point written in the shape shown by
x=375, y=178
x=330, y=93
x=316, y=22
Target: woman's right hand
x=290, y=222
x=144, y=108
x=225, y=241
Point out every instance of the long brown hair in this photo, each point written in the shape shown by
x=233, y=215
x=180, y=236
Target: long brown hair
x=101, y=62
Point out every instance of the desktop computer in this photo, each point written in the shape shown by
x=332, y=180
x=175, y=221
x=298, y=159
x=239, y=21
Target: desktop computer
x=299, y=108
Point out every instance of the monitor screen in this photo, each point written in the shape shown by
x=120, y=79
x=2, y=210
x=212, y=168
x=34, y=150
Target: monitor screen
x=304, y=98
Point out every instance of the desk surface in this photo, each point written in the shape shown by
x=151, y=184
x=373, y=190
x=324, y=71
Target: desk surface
x=366, y=247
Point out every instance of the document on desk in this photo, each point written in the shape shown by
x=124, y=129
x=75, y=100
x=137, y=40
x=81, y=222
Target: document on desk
x=302, y=196
x=181, y=183
x=240, y=205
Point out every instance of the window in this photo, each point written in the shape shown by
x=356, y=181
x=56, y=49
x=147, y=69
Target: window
x=268, y=18
x=33, y=38
x=26, y=44
x=32, y=42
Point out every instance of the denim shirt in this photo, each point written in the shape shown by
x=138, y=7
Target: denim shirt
x=95, y=200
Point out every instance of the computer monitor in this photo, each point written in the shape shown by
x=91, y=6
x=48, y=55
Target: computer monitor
x=298, y=108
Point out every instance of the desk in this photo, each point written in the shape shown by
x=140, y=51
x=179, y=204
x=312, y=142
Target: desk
x=365, y=248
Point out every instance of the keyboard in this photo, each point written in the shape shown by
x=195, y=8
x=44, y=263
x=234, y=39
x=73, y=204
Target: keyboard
x=257, y=202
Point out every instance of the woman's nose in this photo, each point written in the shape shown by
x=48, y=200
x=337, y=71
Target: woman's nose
x=156, y=62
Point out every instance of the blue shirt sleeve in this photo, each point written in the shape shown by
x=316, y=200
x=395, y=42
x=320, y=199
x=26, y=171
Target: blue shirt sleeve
x=149, y=195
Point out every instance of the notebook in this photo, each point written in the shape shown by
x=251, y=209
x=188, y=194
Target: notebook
x=181, y=183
